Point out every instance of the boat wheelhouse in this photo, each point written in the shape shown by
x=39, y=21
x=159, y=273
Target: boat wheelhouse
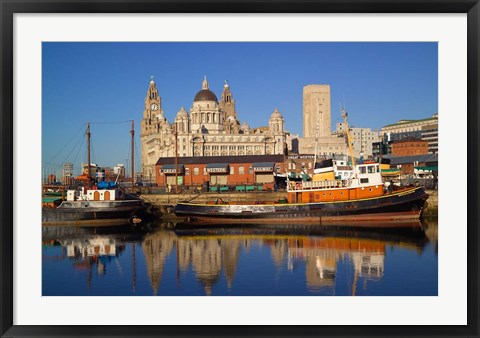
x=367, y=183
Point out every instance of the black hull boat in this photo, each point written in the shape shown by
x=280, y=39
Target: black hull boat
x=388, y=210
x=95, y=213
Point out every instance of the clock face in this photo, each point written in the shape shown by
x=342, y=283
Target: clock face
x=154, y=106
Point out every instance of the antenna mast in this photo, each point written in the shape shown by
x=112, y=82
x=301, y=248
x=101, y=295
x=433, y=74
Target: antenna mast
x=88, y=152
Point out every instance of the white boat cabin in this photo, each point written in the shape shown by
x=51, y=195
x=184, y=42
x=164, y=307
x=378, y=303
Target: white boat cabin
x=369, y=174
x=94, y=195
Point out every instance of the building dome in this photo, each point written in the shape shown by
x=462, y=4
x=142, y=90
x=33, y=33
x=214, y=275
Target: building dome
x=245, y=126
x=182, y=113
x=276, y=114
x=205, y=95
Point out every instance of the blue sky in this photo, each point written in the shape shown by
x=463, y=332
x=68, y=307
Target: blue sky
x=106, y=83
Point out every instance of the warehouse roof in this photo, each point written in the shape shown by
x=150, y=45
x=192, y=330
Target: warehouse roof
x=427, y=158
x=221, y=159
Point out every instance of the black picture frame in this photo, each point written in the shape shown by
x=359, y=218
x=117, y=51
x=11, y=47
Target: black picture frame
x=10, y=7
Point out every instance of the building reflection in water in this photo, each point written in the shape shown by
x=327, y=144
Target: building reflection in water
x=156, y=248
x=321, y=257
x=213, y=252
x=92, y=253
x=208, y=256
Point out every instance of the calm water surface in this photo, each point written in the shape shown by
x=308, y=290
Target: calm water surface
x=156, y=260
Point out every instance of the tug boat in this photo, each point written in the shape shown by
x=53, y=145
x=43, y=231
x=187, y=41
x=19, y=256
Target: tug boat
x=363, y=200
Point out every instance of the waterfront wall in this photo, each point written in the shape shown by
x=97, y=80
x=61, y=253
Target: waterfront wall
x=431, y=211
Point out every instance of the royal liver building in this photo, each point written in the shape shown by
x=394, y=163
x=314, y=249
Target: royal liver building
x=209, y=128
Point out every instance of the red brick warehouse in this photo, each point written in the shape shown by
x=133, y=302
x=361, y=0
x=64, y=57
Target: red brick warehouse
x=252, y=170
x=409, y=146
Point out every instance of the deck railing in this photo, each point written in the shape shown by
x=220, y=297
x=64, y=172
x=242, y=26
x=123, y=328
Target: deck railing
x=327, y=184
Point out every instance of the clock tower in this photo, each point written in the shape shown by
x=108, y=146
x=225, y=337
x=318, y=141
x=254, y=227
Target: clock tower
x=153, y=102
x=150, y=126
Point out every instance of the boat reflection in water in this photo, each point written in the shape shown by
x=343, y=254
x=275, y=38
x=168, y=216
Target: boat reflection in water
x=320, y=250
x=180, y=259
x=89, y=249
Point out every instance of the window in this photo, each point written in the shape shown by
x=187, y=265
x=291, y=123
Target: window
x=250, y=170
x=371, y=169
x=232, y=170
x=363, y=170
x=187, y=171
x=364, y=180
x=195, y=171
x=241, y=170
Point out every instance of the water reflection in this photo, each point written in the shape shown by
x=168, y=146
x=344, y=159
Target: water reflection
x=156, y=248
x=185, y=260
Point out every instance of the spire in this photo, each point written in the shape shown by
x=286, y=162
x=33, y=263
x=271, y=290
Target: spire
x=226, y=84
x=151, y=80
x=205, y=83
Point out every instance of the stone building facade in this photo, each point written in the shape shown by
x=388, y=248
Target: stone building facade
x=317, y=131
x=425, y=129
x=316, y=111
x=362, y=139
x=404, y=126
x=210, y=128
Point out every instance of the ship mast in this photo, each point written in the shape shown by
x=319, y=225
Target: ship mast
x=88, y=152
x=350, y=149
x=316, y=146
x=133, y=162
